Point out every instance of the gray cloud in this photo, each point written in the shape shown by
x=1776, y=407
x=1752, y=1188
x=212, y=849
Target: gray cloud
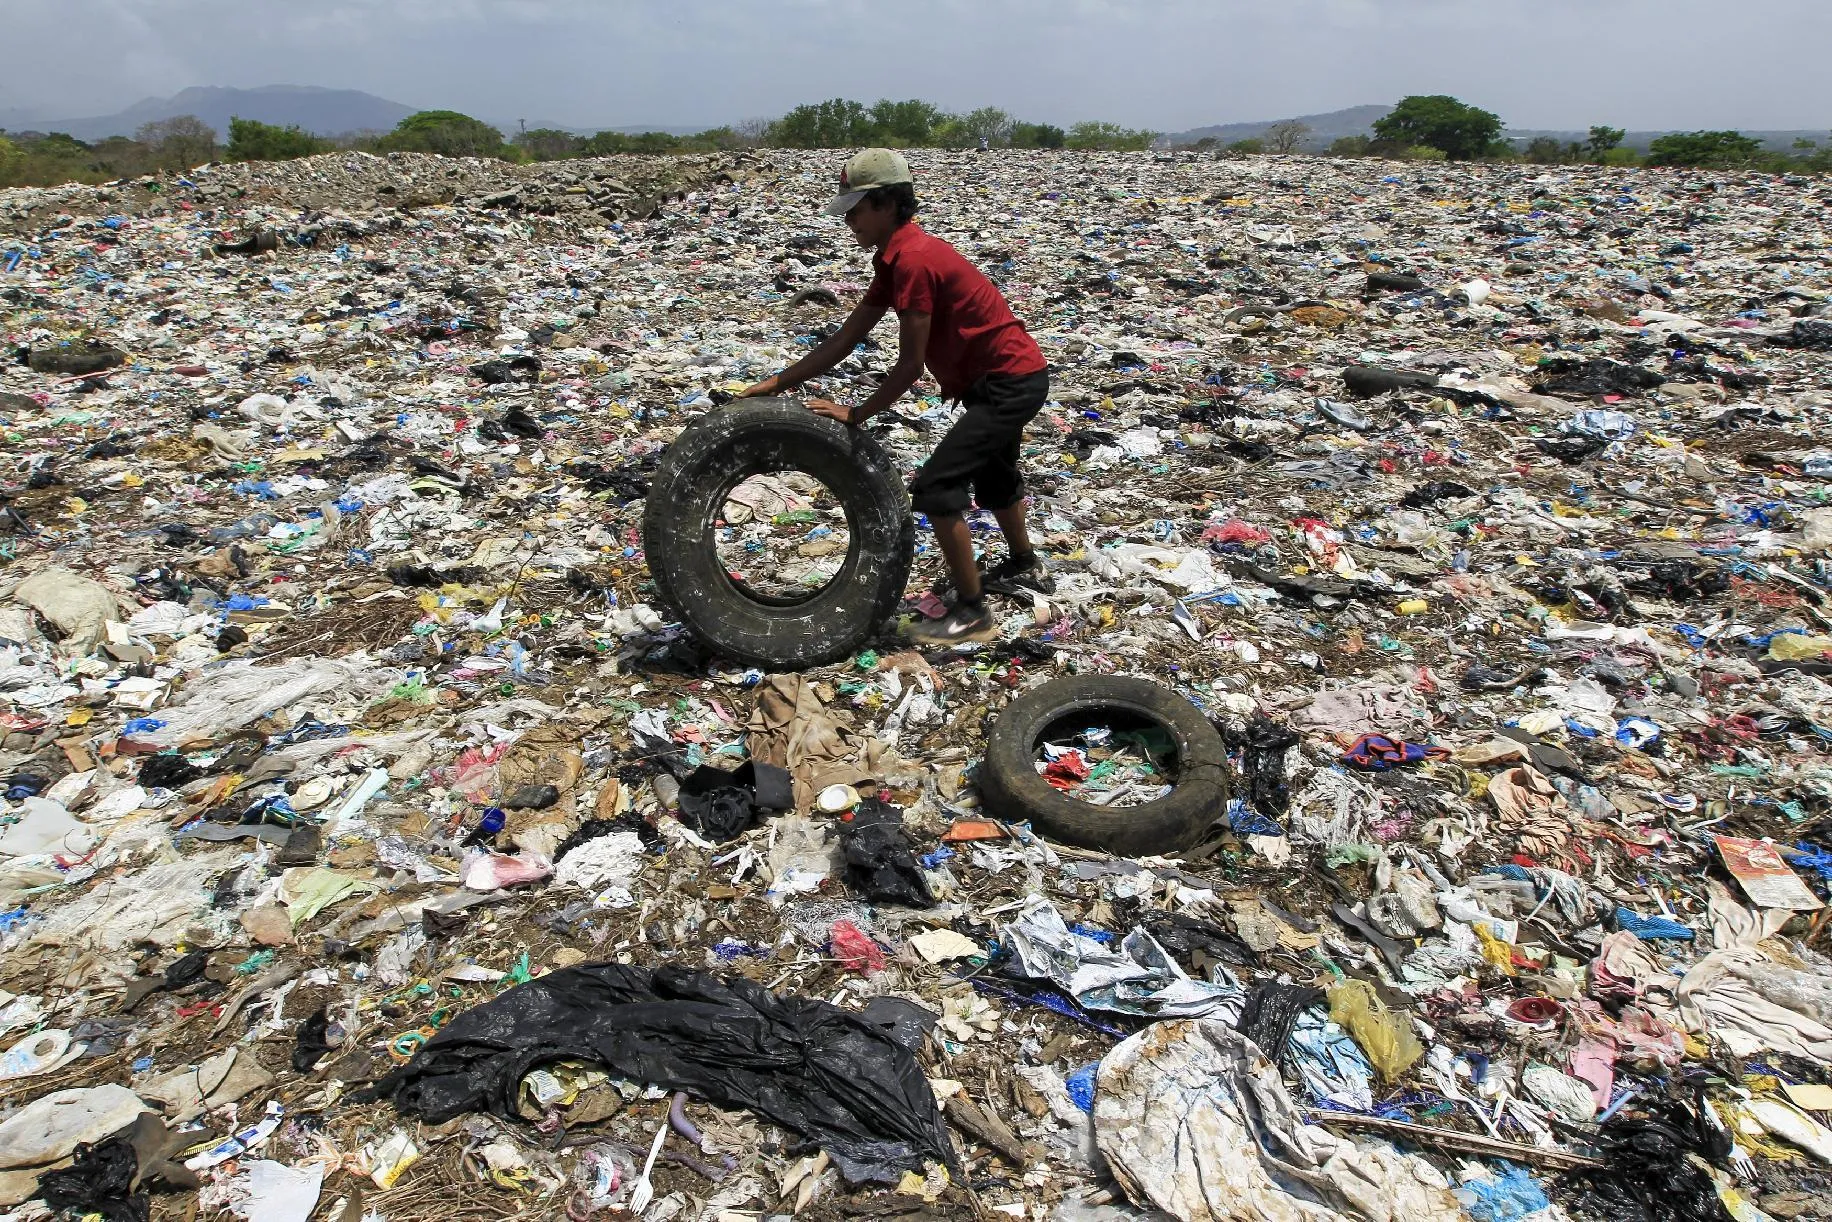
x=1166, y=64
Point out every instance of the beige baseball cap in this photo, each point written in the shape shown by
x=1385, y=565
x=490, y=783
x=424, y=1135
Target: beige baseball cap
x=864, y=171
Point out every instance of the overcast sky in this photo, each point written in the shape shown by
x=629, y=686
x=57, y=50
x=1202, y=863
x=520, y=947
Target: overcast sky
x=1164, y=64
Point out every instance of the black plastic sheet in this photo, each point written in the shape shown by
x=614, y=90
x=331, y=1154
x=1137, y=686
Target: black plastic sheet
x=813, y=1068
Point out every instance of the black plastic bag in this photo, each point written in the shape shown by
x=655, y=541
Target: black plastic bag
x=186, y=970
x=1681, y=581
x=99, y=1182
x=630, y=481
x=1392, y=282
x=907, y=1023
x=1649, y=1177
x=1188, y=937
x=592, y=829
x=1368, y=380
x=880, y=863
x=1271, y=1014
x=520, y=369
x=798, y=1062
x=1435, y=491
x=312, y=1043
x=1573, y=448
x=724, y=805
x=1598, y=377
x=1263, y=743
x=167, y=772
x=1807, y=333
x=517, y=421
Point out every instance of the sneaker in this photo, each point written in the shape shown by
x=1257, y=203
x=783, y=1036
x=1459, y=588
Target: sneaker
x=960, y=625
x=1010, y=579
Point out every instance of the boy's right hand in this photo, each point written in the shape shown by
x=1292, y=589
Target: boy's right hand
x=769, y=386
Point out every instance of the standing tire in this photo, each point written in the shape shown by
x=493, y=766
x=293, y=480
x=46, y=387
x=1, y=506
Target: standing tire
x=688, y=493
x=1012, y=790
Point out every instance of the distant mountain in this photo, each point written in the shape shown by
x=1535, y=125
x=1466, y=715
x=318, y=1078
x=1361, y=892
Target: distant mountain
x=326, y=112
x=1325, y=129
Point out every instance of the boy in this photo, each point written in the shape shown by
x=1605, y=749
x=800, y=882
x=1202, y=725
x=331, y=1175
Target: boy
x=951, y=317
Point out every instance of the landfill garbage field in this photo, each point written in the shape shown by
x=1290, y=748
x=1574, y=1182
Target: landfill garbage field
x=376, y=845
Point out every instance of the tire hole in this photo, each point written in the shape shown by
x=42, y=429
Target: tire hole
x=1108, y=757
x=781, y=537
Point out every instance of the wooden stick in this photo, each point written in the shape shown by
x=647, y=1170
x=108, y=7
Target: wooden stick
x=1451, y=1139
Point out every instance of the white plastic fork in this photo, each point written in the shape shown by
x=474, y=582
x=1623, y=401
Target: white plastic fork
x=644, y=1192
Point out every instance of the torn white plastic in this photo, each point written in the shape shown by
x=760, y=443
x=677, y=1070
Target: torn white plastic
x=1194, y=1120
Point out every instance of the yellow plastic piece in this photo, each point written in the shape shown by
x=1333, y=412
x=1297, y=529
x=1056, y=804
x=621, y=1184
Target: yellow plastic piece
x=1384, y=1036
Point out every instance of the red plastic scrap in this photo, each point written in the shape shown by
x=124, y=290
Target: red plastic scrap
x=1067, y=770
x=1235, y=530
x=855, y=951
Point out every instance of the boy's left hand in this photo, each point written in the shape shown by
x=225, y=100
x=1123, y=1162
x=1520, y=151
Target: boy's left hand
x=830, y=409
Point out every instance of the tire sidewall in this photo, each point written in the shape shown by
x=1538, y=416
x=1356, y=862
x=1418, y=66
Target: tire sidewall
x=1013, y=790
x=754, y=437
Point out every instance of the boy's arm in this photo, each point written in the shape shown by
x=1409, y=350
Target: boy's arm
x=912, y=348
x=828, y=353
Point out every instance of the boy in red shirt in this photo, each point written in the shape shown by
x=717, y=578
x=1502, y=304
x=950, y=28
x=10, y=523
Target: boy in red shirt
x=953, y=319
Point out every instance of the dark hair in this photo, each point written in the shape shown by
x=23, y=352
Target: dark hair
x=900, y=195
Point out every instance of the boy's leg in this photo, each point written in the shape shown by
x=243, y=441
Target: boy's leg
x=969, y=619
x=956, y=543
x=999, y=485
x=942, y=490
x=1013, y=526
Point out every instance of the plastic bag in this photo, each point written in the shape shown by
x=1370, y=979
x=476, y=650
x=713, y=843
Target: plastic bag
x=1795, y=647
x=1386, y=1037
x=798, y=1062
x=75, y=605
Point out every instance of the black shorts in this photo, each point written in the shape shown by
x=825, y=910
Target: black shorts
x=980, y=453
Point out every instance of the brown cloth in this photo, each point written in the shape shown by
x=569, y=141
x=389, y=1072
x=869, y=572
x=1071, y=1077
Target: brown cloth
x=791, y=729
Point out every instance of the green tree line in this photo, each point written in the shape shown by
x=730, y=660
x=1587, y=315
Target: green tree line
x=1441, y=128
x=1420, y=128
x=177, y=144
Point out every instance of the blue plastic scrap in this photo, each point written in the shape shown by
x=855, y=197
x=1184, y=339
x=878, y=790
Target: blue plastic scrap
x=1652, y=928
x=1812, y=857
x=1080, y=1086
x=1049, y=999
x=1508, y=1194
x=1243, y=820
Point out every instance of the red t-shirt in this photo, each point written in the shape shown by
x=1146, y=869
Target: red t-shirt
x=971, y=332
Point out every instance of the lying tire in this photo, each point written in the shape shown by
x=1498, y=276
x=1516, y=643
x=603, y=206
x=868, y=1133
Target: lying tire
x=688, y=493
x=1011, y=789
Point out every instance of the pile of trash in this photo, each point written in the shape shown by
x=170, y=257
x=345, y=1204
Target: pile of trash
x=375, y=845
x=588, y=190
